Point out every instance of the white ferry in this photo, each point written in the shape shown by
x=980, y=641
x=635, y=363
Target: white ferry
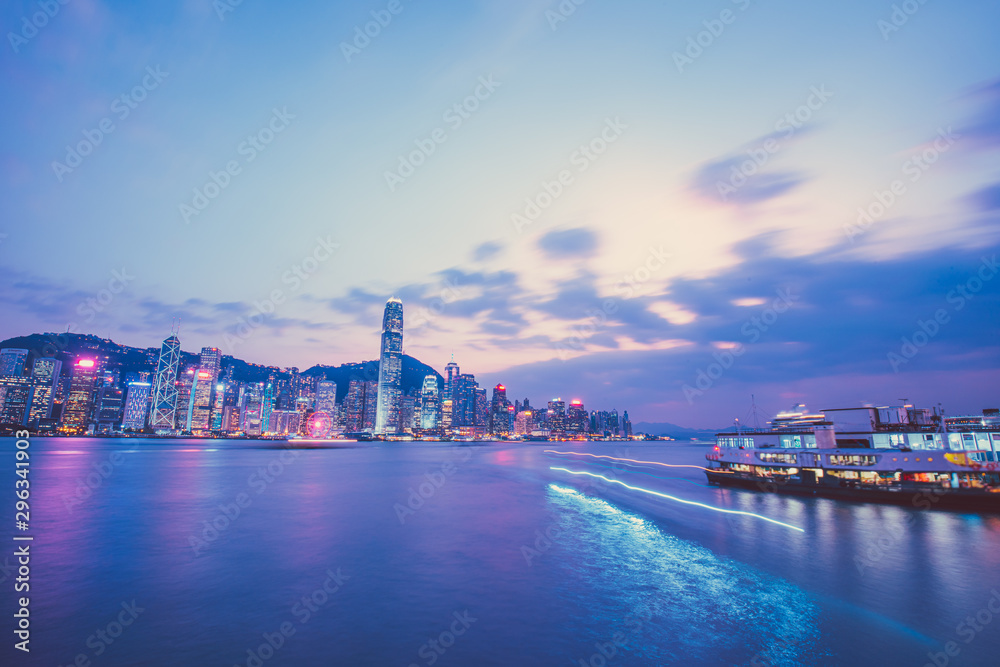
x=901, y=455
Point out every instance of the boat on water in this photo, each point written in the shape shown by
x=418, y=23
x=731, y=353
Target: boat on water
x=901, y=455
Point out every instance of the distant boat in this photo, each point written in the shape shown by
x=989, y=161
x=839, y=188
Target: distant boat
x=899, y=455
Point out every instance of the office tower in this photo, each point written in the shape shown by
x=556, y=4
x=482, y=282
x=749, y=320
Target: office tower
x=134, y=417
x=267, y=408
x=430, y=403
x=231, y=419
x=15, y=399
x=451, y=371
x=326, y=398
x=557, y=415
x=446, y=409
x=76, y=415
x=185, y=398
x=576, y=418
x=12, y=362
x=360, y=406
x=390, y=368
x=44, y=377
x=463, y=401
x=218, y=407
x=251, y=409
x=164, y=407
x=626, y=425
x=522, y=423
x=499, y=414
x=481, y=420
x=208, y=375
x=108, y=408
x=407, y=407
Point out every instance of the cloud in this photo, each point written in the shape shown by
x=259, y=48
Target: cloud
x=745, y=176
x=569, y=243
x=986, y=199
x=485, y=251
x=983, y=131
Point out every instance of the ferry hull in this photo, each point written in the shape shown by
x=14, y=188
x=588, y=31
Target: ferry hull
x=918, y=496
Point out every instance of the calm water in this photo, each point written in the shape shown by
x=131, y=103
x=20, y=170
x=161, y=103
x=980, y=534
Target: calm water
x=500, y=561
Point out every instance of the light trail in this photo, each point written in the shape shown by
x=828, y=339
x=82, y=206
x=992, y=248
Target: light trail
x=652, y=463
x=679, y=500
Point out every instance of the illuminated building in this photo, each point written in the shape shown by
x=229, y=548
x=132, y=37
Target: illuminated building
x=76, y=415
x=15, y=397
x=430, y=406
x=522, y=423
x=499, y=414
x=218, y=407
x=231, y=419
x=451, y=371
x=556, y=416
x=326, y=398
x=108, y=408
x=446, y=406
x=267, y=408
x=482, y=411
x=626, y=425
x=207, y=377
x=44, y=377
x=12, y=362
x=134, y=417
x=576, y=418
x=390, y=368
x=360, y=406
x=164, y=407
x=185, y=398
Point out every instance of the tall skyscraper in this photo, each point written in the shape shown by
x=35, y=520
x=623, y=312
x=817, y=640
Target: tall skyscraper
x=207, y=375
x=430, y=406
x=108, y=408
x=44, y=377
x=218, y=407
x=15, y=398
x=164, y=408
x=326, y=398
x=76, y=415
x=499, y=414
x=267, y=408
x=451, y=371
x=390, y=368
x=360, y=406
x=134, y=417
x=577, y=418
x=12, y=362
x=557, y=415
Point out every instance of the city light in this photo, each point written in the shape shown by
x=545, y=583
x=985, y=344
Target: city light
x=85, y=363
x=675, y=499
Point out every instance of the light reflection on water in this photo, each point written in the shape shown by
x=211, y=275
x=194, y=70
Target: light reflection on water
x=864, y=584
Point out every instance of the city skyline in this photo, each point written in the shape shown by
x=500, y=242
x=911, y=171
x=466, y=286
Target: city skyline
x=626, y=240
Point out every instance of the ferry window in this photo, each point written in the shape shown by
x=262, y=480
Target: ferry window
x=786, y=441
x=916, y=441
x=810, y=441
x=955, y=440
x=897, y=439
x=796, y=441
x=970, y=441
x=881, y=441
x=984, y=440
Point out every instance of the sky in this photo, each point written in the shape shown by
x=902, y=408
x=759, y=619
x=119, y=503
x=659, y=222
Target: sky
x=658, y=207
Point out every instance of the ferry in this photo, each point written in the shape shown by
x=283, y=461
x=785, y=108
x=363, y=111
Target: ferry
x=901, y=455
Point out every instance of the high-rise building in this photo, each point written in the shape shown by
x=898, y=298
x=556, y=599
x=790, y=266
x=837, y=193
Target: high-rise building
x=626, y=425
x=522, y=424
x=15, y=398
x=267, y=408
x=218, y=407
x=576, y=418
x=134, y=417
x=430, y=404
x=446, y=410
x=360, y=406
x=390, y=368
x=12, y=362
x=164, y=406
x=499, y=414
x=77, y=413
x=326, y=398
x=556, y=416
x=108, y=408
x=186, y=386
x=481, y=419
x=451, y=371
x=44, y=378
x=207, y=377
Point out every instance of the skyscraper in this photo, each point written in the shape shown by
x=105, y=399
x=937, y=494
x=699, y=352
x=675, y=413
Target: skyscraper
x=76, y=415
x=207, y=375
x=499, y=414
x=430, y=403
x=326, y=398
x=134, y=417
x=164, y=408
x=44, y=376
x=12, y=362
x=451, y=371
x=390, y=368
